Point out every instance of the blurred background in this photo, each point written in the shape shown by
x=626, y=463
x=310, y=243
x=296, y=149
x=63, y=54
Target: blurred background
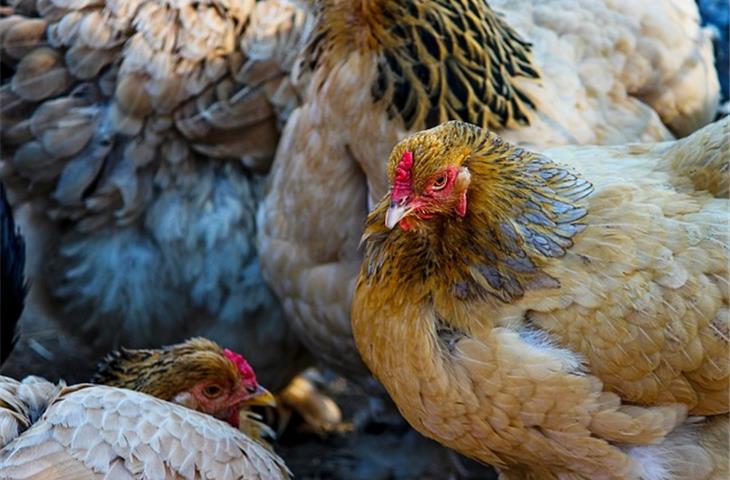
x=716, y=14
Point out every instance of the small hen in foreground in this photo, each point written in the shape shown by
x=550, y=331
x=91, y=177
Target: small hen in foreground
x=553, y=325
x=86, y=431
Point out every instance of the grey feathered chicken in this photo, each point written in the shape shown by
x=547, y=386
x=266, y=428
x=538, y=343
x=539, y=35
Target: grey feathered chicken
x=136, y=134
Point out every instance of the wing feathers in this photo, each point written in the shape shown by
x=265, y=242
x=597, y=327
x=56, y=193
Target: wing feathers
x=94, y=431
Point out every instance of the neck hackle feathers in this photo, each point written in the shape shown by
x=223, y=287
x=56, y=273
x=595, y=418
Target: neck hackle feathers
x=523, y=210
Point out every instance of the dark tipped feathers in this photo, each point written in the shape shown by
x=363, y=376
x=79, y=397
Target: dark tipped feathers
x=438, y=60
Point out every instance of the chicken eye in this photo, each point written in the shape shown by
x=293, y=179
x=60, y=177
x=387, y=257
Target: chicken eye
x=212, y=391
x=439, y=183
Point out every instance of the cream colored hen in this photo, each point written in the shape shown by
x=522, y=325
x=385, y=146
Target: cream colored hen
x=137, y=132
x=594, y=71
x=95, y=432
x=555, y=315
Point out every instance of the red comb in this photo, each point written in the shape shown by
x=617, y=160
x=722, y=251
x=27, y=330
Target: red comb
x=246, y=371
x=402, y=185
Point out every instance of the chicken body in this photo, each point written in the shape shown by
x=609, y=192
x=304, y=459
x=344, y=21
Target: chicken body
x=596, y=72
x=137, y=134
x=555, y=325
x=51, y=431
x=90, y=432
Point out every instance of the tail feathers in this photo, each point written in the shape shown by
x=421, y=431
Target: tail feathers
x=696, y=450
x=704, y=158
x=12, y=284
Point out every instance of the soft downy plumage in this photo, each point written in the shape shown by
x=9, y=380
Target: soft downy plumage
x=95, y=432
x=557, y=315
x=539, y=73
x=141, y=423
x=135, y=140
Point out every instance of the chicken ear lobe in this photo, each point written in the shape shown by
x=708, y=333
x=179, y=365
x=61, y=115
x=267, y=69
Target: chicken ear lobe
x=525, y=215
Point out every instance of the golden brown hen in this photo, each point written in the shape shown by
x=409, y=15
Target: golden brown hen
x=88, y=431
x=542, y=73
x=198, y=374
x=551, y=324
x=134, y=131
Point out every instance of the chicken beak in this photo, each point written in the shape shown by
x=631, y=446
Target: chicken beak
x=261, y=397
x=395, y=213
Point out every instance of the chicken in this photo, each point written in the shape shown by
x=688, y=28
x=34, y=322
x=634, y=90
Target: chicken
x=12, y=281
x=197, y=374
x=184, y=367
x=540, y=73
x=556, y=315
x=134, y=140
x=144, y=370
x=87, y=431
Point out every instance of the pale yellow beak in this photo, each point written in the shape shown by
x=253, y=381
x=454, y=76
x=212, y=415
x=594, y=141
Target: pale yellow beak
x=261, y=397
x=395, y=213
